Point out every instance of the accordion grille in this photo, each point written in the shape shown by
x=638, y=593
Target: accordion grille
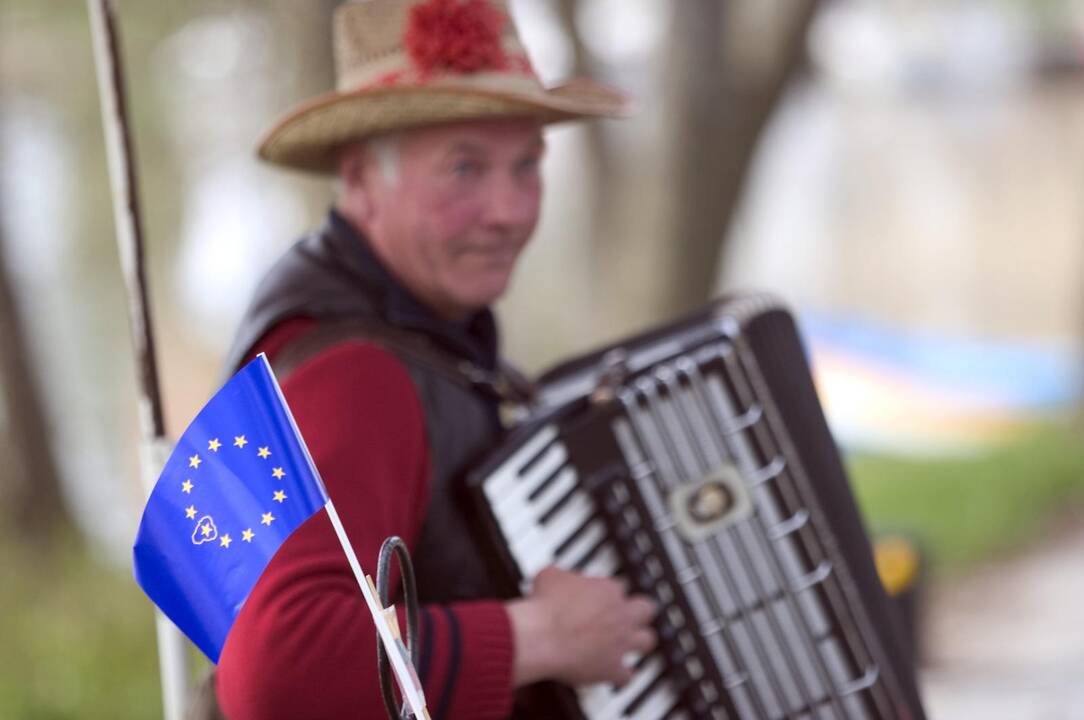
x=768, y=597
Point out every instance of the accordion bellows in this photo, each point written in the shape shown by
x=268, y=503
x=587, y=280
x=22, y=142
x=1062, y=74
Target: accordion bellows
x=695, y=463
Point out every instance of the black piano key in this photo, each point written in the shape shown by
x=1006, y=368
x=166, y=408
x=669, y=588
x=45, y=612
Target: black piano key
x=582, y=563
x=571, y=539
x=654, y=686
x=541, y=487
x=551, y=511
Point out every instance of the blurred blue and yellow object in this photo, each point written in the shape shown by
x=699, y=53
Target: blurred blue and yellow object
x=889, y=390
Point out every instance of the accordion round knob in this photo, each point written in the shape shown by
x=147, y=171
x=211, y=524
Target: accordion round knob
x=710, y=502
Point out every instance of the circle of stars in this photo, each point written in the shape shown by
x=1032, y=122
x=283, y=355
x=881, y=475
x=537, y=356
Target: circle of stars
x=267, y=518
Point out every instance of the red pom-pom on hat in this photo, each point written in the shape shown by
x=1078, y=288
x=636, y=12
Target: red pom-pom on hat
x=461, y=36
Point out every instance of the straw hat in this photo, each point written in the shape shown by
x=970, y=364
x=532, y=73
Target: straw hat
x=408, y=63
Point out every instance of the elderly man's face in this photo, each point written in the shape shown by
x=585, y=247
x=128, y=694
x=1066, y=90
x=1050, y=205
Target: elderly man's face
x=461, y=209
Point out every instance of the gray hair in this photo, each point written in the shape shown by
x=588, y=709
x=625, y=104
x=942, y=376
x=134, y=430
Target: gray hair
x=384, y=149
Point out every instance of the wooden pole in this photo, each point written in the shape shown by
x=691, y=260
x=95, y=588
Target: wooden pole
x=172, y=647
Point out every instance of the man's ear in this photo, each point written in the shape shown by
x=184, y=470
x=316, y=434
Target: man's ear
x=351, y=163
x=354, y=190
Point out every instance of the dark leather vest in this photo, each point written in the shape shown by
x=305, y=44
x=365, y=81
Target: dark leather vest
x=327, y=277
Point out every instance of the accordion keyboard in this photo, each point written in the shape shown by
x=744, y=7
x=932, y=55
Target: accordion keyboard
x=550, y=520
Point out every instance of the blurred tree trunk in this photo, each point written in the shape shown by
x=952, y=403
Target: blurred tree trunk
x=31, y=502
x=599, y=161
x=724, y=83
x=600, y=157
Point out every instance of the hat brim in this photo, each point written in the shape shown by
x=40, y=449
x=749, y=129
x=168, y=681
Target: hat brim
x=308, y=137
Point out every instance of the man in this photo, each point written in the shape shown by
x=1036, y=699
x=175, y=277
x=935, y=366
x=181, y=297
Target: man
x=381, y=322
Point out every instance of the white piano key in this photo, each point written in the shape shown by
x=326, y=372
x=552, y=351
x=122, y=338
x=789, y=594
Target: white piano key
x=509, y=471
x=537, y=547
x=557, y=489
x=533, y=550
x=593, y=698
x=598, y=701
x=519, y=511
x=585, y=542
x=605, y=563
x=658, y=703
x=622, y=697
x=515, y=494
x=523, y=522
x=569, y=517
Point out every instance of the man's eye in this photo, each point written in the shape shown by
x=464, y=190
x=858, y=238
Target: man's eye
x=528, y=165
x=466, y=168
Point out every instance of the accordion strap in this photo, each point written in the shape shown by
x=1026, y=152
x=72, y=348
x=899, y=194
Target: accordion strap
x=506, y=384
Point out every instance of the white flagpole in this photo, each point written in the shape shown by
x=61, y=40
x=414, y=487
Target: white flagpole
x=407, y=683
x=400, y=664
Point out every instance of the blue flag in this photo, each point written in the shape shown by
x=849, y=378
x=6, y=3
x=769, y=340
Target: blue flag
x=238, y=483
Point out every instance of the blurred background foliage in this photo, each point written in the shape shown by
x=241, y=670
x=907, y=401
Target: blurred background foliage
x=906, y=174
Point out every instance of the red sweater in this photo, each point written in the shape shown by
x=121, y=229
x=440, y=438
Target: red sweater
x=303, y=646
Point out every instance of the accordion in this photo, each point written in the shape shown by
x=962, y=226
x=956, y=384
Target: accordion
x=695, y=464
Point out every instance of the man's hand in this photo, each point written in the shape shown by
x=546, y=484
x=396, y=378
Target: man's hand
x=578, y=629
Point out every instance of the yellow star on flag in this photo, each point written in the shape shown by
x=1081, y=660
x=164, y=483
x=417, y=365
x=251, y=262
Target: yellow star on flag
x=206, y=530
x=279, y=473
x=190, y=512
x=225, y=540
x=279, y=496
x=186, y=487
x=194, y=461
x=264, y=453
x=240, y=441
x=214, y=445
x=267, y=518
x=247, y=535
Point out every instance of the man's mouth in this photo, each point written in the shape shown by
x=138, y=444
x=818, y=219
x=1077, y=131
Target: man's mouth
x=497, y=253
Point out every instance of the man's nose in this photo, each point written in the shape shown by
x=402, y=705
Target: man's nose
x=512, y=203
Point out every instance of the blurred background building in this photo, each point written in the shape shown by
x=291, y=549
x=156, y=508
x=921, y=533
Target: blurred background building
x=907, y=174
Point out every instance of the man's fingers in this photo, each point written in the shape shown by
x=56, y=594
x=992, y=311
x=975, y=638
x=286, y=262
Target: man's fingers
x=641, y=609
x=643, y=640
x=619, y=676
x=547, y=575
x=598, y=621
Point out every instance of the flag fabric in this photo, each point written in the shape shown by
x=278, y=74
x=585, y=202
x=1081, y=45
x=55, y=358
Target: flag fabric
x=239, y=481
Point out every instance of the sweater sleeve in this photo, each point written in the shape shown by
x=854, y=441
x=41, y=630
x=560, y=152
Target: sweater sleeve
x=303, y=646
